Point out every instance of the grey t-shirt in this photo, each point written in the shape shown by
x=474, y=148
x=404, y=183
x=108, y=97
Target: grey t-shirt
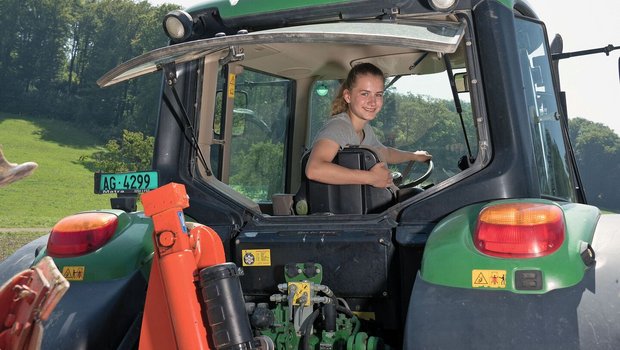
x=340, y=130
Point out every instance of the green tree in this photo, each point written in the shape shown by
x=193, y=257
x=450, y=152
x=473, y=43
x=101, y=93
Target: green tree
x=134, y=152
x=10, y=13
x=82, y=32
x=53, y=52
x=260, y=171
x=597, y=149
x=124, y=29
x=32, y=52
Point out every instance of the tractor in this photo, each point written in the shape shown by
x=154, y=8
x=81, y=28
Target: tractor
x=490, y=245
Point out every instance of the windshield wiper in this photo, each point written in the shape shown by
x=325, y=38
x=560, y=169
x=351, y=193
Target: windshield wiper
x=411, y=68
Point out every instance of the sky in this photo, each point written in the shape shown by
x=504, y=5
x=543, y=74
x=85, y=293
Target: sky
x=592, y=83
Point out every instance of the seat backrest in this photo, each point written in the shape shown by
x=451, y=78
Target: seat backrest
x=315, y=197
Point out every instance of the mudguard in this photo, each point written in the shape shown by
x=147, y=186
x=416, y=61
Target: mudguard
x=583, y=316
x=91, y=315
x=98, y=315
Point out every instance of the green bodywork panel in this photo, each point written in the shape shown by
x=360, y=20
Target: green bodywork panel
x=507, y=3
x=317, y=278
x=129, y=249
x=253, y=7
x=450, y=255
x=285, y=336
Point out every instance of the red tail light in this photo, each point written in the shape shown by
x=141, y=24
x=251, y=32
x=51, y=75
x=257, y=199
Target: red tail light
x=81, y=234
x=519, y=230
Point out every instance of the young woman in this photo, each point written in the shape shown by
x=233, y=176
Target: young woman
x=359, y=100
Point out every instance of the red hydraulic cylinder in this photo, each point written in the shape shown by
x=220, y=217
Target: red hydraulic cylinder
x=179, y=254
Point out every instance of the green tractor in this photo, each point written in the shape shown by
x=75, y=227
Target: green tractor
x=490, y=245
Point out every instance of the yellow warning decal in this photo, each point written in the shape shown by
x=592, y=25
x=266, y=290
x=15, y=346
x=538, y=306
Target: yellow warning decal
x=488, y=278
x=302, y=293
x=256, y=257
x=73, y=273
x=231, y=85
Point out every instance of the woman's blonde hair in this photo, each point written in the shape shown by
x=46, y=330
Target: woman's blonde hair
x=339, y=105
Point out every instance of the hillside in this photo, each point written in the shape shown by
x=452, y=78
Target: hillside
x=60, y=186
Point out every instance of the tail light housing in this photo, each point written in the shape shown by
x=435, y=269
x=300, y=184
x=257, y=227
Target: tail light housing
x=81, y=234
x=519, y=230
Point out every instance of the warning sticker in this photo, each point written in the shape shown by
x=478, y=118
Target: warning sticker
x=488, y=278
x=302, y=293
x=231, y=85
x=73, y=273
x=256, y=257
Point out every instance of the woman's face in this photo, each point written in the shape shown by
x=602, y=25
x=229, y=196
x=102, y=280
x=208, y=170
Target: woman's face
x=365, y=98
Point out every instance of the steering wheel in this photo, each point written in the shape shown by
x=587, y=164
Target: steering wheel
x=399, y=178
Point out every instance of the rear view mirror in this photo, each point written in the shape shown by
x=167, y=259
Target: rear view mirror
x=239, y=119
x=240, y=112
x=461, y=81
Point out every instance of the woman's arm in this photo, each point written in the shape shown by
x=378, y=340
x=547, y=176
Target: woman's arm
x=395, y=156
x=320, y=168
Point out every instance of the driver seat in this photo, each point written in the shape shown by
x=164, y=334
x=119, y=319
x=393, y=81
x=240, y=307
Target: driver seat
x=319, y=198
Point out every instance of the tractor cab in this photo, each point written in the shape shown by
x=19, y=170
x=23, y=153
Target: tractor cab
x=244, y=98
x=261, y=97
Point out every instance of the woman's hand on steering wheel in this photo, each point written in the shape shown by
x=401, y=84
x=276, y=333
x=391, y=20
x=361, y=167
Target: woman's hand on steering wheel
x=421, y=156
x=420, y=179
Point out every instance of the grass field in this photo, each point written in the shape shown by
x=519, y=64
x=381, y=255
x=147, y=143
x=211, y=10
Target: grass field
x=11, y=241
x=60, y=186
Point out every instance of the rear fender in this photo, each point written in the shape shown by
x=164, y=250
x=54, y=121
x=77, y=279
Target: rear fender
x=103, y=306
x=130, y=249
x=582, y=316
x=451, y=259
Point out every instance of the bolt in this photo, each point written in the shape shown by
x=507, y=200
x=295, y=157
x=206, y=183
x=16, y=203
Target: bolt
x=166, y=239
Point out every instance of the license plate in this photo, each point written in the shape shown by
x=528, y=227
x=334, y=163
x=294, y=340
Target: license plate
x=134, y=182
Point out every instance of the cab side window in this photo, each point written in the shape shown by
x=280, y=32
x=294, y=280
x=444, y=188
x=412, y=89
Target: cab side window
x=555, y=178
